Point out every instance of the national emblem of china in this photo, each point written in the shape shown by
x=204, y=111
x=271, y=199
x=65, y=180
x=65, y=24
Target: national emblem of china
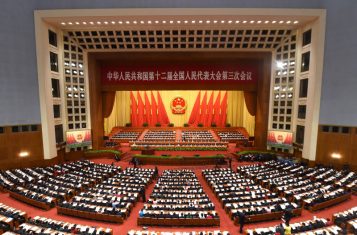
x=178, y=105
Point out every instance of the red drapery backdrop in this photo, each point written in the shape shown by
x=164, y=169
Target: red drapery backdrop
x=250, y=99
x=153, y=109
x=108, y=99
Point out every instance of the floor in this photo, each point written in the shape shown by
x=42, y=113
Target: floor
x=130, y=223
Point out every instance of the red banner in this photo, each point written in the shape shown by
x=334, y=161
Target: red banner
x=230, y=74
x=280, y=139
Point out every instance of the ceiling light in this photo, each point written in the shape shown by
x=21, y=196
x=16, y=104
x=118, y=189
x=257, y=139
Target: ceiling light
x=98, y=22
x=200, y=21
x=288, y=22
x=84, y=22
x=77, y=23
x=63, y=23
x=208, y=21
x=142, y=22
x=215, y=21
x=193, y=22
x=127, y=22
x=70, y=23
x=296, y=22
x=113, y=22
x=290, y=95
x=222, y=21
x=120, y=22
x=280, y=22
x=105, y=22
x=156, y=21
x=237, y=21
x=185, y=21
x=91, y=22
x=336, y=155
x=135, y=22
x=252, y=21
x=259, y=21
x=179, y=21
x=273, y=22
x=171, y=21
x=149, y=21
x=244, y=21
x=24, y=154
x=229, y=22
x=164, y=21
x=266, y=22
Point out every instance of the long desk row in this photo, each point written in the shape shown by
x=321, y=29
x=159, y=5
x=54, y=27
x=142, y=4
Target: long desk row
x=178, y=222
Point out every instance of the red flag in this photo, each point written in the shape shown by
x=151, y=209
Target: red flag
x=217, y=106
x=134, y=110
x=203, y=109
x=140, y=110
x=162, y=116
x=195, y=113
x=147, y=110
x=209, y=111
x=153, y=109
x=224, y=110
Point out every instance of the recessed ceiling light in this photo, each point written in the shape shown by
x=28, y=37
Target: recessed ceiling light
x=288, y=22
x=77, y=23
x=98, y=22
x=215, y=21
x=135, y=22
x=259, y=21
x=24, y=154
x=149, y=22
x=171, y=21
x=273, y=22
x=230, y=22
x=113, y=22
x=70, y=23
x=193, y=22
x=237, y=21
x=127, y=22
x=84, y=22
x=208, y=21
x=63, y=23
x=164, y=21
x=252, y=21
x=280, y=22
x=179, y=21
x=91, y=22
x=142, y=22
x=120, y=22
x=296, y=22
x=222, y=21
x=266, y=22
x=244, y=21
x=200, y=21
x=105, y=22
x=185, y=21
x=156, y=22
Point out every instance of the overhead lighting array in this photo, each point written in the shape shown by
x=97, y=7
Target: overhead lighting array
x=280, y=22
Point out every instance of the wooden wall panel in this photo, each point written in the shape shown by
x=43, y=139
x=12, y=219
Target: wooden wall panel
x=344, y=144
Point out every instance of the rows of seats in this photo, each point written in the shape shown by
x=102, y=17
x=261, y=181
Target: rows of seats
x=347, y=218
x=10, y=217
x=241, y=195
x=178, y=195
x=314, y=187
x=141, y=232
x=126, y=135
x=159, y=136
x=197, y=136
x=114, y=197
x=231, y=136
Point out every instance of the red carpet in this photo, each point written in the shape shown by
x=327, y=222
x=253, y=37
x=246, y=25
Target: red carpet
x=130, y=223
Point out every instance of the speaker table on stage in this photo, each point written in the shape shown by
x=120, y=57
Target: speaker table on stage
x=148, y=151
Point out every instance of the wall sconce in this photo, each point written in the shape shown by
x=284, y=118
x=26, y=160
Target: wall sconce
x=336, y=155
x=24, y=154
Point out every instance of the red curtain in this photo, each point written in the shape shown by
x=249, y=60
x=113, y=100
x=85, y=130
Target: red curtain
x=147, y=110
x=250, y=99
x=108, y=99
x=195, y=110
x=134, y=110
x=141, y=117
x=224, y=110
x=209, y=111
x=153, y=109
x=163, y=118
x=217, y=107
x=203, y=109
